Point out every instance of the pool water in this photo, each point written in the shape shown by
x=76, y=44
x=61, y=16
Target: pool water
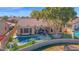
x=27, y=38
x=76, y=34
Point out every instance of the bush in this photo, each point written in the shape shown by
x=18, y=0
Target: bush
x=27, y=44
x=14, y=44
x=33, y=41
x=15, y=47
x=10, y=38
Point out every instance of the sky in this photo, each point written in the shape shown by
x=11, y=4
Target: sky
x=22, y=11
x=77, y=10
x=17, y=11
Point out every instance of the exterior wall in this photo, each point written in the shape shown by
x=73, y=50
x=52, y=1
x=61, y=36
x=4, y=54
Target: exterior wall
x=69, y=31
x=37, y=28
x=50, y=31
x=4, y=41
x=35, y=24
x=2, y=28
x=19, y=28
x=6, y=37
x=76, y=26
x=33, y=30
x=55, y=30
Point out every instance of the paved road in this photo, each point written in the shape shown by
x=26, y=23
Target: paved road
x=50, y=42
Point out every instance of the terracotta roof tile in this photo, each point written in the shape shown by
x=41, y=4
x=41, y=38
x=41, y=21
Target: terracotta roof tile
x=31, y=22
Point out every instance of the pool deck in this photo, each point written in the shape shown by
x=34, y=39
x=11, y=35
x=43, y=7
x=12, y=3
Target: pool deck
x=50, y=42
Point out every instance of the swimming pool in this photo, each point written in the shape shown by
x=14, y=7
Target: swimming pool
x=76, y=34
x=26, y=38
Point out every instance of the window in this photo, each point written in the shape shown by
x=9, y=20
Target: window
x=26, y=30
x=51, y=30
x=60, y=29
x=21, y=30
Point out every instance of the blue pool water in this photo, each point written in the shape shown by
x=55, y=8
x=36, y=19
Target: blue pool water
x=76, y=34
x=26, y=38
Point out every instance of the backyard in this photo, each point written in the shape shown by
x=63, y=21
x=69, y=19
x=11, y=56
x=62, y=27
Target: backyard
x=20, y=42
x=43, y=25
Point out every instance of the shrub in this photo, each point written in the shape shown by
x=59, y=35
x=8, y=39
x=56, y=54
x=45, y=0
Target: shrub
x=10, y=38
x=33, y=41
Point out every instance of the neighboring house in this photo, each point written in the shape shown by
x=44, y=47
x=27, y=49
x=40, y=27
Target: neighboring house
x=73, y=25
x=3, y=30
x=26, y=26
x=5, y=27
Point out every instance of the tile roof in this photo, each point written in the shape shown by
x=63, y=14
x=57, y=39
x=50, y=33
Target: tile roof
x=31, y=22
x=2, y=26
x=74, y=21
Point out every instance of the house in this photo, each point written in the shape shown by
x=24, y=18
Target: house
x=3, y=30
x=5, y=27
x=2, y=27
x=26, y=26
x=73, y=25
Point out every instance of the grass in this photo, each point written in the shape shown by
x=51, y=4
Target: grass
x=14, y=44
x=27, y=44
x=15, y=47
x=10, y=40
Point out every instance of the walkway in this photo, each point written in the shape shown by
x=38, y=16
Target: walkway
x=50, y=42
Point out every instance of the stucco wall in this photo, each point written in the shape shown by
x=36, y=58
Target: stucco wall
x=69, y=31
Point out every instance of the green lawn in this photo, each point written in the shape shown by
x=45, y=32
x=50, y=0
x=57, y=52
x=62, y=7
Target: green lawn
x=27, y=44
x=15, y=47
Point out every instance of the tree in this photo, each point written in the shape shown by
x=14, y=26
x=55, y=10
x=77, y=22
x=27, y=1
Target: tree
x=59, y=15
x=4, y=17
x=35, y=14
x=50, y=16
x=11, y=38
